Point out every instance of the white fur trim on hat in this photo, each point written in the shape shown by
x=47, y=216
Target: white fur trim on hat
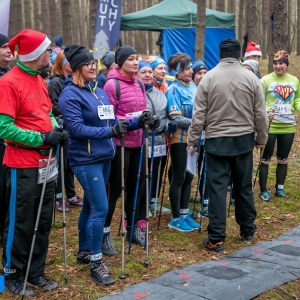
x=254, y=52
x=37, y=52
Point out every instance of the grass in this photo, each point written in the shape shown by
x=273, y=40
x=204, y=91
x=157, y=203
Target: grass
x=172, y=249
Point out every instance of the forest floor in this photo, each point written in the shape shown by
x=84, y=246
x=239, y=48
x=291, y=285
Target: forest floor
x=172, y=249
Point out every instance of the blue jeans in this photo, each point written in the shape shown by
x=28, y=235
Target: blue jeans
x=93, y=179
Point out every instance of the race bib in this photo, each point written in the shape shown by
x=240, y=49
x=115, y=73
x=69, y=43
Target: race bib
x=52, y=172
x=135, y=114
x=106, y=112
x=159, y=150
x=283, y=109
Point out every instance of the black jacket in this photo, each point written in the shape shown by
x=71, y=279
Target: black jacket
x=55, y=87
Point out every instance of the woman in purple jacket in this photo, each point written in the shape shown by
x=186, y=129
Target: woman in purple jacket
x=127, y=95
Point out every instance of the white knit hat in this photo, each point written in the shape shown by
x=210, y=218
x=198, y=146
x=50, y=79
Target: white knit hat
x=31, y=44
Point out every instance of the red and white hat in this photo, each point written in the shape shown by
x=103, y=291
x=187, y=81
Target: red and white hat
x=31, y=44
x=252, y=49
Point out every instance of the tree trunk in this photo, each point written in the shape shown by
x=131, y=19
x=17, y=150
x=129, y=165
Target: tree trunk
x=27, y=13
x=15, y=25
x=75, y=6
x=265, y=27
x=231, y=6
x=298, y=28
x=271, y=36
x=251, y=21
x=66, y=22
x=220, y=5
x=241, y=20
x=92, y=22
x=46, y=19
x=280, y=25
x=200, y=29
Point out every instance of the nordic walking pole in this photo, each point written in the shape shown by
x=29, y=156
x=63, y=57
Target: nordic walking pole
x=148, y=187
x=203, y=189
x=62, y=173
x=54, y=203
x=122, y=275
x=157, y=187
x=136, y=192
x=164, y=181
x=37, y=222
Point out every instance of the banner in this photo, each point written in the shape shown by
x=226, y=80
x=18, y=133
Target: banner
x=4, y=20
x=108, y=21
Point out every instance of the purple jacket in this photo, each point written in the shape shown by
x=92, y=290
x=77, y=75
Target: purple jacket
x=132, y=99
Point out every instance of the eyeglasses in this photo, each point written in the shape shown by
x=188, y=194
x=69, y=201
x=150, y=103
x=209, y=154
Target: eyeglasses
x=49, y=50
x=92, y=64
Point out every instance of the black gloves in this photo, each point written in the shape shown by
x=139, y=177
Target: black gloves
x=55, y=137
x=155, y=122
x=145, y=118
x=171, y=127
x=120, y=128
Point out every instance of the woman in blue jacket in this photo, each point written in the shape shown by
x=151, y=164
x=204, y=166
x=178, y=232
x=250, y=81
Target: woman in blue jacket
x=91, y=124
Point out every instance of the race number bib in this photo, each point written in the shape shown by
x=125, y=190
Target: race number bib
x=106, y=112
x=135, y=114
x=283, y=109
x=159, y=150
x=52, y=172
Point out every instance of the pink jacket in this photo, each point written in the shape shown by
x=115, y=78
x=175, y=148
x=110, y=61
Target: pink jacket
x=132, y=99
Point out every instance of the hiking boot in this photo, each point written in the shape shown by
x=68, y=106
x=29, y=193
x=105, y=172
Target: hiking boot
x=83, y=257
x=232, y=201
x=248, y=238
x=59, y=206
x=164, y=210
x=280, y=193
x=265, y=196
x=15, y=286
x=203, y=213
x=180, y=224
x=137, y=236
x=100, y=274
x=191, y=222
x=143, y=226
x=217, y=247
x=75, y=201
x=108, y=247
x=43, y=282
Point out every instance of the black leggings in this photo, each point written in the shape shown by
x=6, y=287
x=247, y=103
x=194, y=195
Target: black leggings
x=131, y=165
x=180, y=186
x=284, y=145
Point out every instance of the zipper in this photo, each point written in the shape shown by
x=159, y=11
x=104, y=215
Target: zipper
x=89, y=146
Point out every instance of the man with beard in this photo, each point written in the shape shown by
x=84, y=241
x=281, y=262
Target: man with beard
x=26, y=125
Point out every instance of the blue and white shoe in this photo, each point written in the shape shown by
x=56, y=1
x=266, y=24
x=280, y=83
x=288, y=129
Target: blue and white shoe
x=180, y=224
x=191, y=222
x=265, y=196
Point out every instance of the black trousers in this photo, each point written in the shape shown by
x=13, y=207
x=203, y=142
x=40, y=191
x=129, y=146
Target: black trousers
x=131, y=166
x=217, y=181
x=20, y=222
x=3, y=204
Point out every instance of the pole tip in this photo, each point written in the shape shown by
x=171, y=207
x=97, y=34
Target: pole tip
x=146, y=263
x=122, y=276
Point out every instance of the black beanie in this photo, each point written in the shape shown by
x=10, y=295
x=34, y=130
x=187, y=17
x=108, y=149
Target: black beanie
x=3, y=39
x=77, y=56
x=230, y=48
x=123, y=53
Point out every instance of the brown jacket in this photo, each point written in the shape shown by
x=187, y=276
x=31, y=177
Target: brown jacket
x=229, y=102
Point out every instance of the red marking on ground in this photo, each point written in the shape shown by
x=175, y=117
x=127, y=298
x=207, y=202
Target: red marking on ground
x=185, y=276
x=140, y=296
x=258, y=251
x=224, y=264
x=288, y=242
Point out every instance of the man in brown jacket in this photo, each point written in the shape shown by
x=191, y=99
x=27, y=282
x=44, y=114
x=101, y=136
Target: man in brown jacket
x=230, y=104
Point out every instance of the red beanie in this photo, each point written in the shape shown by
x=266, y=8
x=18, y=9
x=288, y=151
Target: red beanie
x=252, y=49
x=31, y=44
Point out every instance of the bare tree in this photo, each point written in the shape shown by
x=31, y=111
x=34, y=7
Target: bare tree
x=298, y=28
x=200, y=29
x=221, y=5
x=241, y=20
x=271, y=36
x=15, y=25
x=92, y=22
x=45, y=15
x=231, y=6
x=266, y=20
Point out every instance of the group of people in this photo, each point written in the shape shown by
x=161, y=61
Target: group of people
x=89, y=113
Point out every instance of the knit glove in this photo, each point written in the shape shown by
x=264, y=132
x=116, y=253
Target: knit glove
x=171, y=127
x=155, y=122
x=120, y=128
x=145, y=118
x=52, y=137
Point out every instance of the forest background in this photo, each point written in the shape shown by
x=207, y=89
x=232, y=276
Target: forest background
x=273, y=24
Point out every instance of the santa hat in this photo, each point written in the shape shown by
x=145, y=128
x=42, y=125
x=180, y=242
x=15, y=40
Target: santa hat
x=252, y=49
x=31, y=44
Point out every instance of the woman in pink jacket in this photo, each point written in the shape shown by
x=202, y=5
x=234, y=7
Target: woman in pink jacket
x=127, y=95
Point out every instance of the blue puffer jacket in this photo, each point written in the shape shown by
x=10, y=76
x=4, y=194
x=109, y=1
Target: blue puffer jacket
x=89, y=137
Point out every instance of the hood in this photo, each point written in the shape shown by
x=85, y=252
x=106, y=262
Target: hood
x=115, y=73
x=68, y=80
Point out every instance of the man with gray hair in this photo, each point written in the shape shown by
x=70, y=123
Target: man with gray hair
x=230, y=104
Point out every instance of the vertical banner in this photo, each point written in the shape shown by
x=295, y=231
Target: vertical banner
x=108, y=21
x=4, y=20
